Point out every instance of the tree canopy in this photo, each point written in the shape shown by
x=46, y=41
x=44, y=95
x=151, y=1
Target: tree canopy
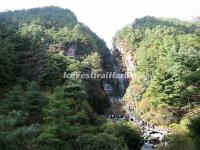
x=40, y=109
x=166, y=54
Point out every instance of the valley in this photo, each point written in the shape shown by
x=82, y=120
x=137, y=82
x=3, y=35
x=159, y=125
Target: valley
x=156, y=106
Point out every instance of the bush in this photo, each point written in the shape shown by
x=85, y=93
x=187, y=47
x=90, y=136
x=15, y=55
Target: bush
x=131, y=135
x=178, y=141
x=194, y=129
x=101, y=141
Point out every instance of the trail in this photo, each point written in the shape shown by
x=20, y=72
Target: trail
x=151, y=135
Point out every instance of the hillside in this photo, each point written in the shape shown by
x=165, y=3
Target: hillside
x=164, y=57
x=40, y=109
x=48, y=16
x=46, y=103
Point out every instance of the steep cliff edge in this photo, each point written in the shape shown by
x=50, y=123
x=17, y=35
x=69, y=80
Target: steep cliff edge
x=160, y=55
x=163, y=56
x=122, y=63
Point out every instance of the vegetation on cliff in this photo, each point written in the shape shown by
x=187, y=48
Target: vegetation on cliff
x=39, y=108
x=166, y=53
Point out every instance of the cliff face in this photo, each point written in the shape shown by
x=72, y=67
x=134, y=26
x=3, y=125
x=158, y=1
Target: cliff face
x=122, y=63
x=123, y=57
x=163, y=55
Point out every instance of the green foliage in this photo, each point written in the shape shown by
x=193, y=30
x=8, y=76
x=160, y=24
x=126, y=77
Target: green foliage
x=30, y=101
x=166, y=54
x=178, y=141
x=193, y=78
x=47, y=16
x=30, y=50
x=33, y=45
x=66, y=111
x=30, y=39
x=7, y=57
x=70, y=123
x=127, y=131
x=101, y=141
x=52, y=73
x=92, y=63
x=40, y=42
x=20, y=117
x=131, y=135
x=99, y=101
x=153, y=22
x=194, y=128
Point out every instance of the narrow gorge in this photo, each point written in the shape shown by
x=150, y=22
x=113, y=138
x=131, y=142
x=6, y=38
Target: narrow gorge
x=121, y=109
x=55, y=93
x=163, y=90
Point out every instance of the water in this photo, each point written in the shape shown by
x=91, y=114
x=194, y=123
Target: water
x=150, y=133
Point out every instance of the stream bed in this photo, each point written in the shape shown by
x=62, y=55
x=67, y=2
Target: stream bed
x=151, y=135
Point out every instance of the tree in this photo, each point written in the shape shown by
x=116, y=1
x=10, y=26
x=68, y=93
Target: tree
x=20, y=116
x=131, y=135
x=65, y=113
x=101, y=141
x=194, y=128
x=52, y=72
x=166, y=55
x=7, y=57
x=92, y=63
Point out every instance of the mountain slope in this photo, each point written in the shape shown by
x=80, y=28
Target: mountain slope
x=39, y=108
x=163, y=55
x=47, y=16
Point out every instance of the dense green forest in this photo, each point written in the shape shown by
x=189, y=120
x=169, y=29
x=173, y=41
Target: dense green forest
x=39, y=109
x=165, y=89
x=42, y=110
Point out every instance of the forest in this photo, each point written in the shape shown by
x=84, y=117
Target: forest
x=166, y=85
x=41, y=110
